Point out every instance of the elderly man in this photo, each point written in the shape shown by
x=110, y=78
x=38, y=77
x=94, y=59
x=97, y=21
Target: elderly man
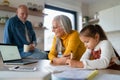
x=18, y=31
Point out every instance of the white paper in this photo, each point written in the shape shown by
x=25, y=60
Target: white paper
x=72, y=75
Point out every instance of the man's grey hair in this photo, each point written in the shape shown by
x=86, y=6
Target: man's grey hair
x=64, y=22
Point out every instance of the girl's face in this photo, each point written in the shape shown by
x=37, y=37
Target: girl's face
x=90, y=42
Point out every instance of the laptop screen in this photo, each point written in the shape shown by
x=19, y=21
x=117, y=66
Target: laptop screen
x=9, y=52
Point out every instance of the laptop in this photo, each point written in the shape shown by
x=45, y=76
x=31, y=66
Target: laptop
x=10, y=55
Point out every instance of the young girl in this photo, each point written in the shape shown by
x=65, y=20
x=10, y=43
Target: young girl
x=99, y=53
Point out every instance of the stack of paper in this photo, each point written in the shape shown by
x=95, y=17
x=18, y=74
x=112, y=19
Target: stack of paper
x=75, y=75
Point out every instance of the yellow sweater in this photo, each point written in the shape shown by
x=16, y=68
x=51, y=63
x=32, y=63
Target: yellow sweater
x=71, y=42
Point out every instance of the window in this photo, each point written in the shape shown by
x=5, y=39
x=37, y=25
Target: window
x=51, y=12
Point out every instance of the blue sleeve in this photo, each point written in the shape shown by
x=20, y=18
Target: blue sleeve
x=7, y=37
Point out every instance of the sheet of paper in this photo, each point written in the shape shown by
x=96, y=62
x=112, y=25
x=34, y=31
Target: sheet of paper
x=60, y=68
x=65, y=72
x=72, y=75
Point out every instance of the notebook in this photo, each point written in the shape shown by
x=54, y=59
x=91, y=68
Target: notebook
x=75, y=75
x=10, y=55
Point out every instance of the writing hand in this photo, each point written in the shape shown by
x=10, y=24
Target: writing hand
x=74, y=63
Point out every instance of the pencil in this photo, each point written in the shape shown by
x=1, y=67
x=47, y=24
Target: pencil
x=92, y=75
x=71, y=55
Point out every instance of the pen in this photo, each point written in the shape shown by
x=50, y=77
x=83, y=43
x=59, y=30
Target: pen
x=16, y=67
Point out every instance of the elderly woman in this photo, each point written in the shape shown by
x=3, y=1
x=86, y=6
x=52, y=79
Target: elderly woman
x=65, y=41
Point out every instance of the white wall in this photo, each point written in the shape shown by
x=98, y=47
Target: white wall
x=114, y=37
x=67, y=4
x=101, y=5
x=15, y=3
x=85, y=10
x=110, y=19
x=110, y=22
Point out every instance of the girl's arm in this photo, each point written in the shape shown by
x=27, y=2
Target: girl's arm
x=103, y=62
x=105, y=57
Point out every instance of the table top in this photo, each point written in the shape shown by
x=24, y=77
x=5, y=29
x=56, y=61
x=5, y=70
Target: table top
x=39, y=74
x=43, y=73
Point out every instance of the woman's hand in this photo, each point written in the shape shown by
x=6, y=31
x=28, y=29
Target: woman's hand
x=67, y=56
x=74, y=63
x=59, y=61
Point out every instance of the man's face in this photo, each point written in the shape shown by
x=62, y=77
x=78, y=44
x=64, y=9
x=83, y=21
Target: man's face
x=22, y=14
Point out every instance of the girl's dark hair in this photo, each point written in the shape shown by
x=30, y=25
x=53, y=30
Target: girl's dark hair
x=91, y=30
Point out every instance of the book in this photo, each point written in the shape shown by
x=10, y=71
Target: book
x=75, y=75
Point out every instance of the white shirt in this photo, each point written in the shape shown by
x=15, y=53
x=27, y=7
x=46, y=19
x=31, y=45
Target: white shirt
x=107, y=53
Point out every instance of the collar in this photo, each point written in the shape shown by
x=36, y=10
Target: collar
x=17, y=19
x=64, y=36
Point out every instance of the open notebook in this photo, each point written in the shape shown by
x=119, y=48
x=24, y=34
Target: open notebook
x=11, y=55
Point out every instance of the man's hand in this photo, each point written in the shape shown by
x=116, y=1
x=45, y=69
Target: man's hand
x=32, y=47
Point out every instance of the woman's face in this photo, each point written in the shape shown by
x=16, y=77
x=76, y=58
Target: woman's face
x=59, y=32
x=90, y=42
